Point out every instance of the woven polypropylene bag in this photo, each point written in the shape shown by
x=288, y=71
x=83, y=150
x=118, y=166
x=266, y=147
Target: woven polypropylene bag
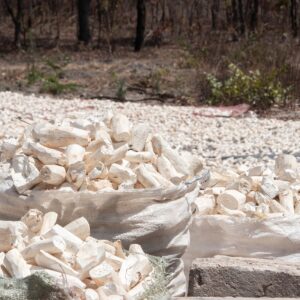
x=277, y=237
x=157, y=219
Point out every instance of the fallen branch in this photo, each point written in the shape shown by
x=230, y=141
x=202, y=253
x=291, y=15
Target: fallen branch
x=103, y=97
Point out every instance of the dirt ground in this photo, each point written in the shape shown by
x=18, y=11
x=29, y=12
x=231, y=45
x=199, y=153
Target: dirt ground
x=154, y=74
x=166, y=74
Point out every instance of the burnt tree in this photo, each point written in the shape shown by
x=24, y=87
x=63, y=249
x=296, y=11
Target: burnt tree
x=83, y=7
x=234, y=13
x=140, y=25
x=215, y=7
x=294, y=18
x=16, y=18
x=241, y=17
x=253, y=15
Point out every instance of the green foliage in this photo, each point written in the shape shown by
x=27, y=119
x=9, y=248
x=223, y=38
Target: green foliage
x=52, y=85
x=55, y=68
x=189, y=61
x=33, y=75
x=49, y=78
x=158, y=287
x=156, y=77
x=121, y=89
x=259, y=90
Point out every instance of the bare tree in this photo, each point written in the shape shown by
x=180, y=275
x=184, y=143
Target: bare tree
x=253, y=14
x=140, y=25
x=83, y=7
x=16, y=18
x=241, y=17
x=294, y=17
x=234, y=13
x=215, y=7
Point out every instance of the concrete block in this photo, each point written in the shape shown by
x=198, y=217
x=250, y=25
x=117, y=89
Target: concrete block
x=243, y=277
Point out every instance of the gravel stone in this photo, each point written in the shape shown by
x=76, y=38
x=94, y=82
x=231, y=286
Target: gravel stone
x=230, y=141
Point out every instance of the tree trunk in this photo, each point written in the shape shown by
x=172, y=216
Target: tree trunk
x=253, y=15
x=99, y=14
x=140, y=25
x=83, y=7
x=16, y=20
x=294, y=19
x=214, y=14
x=241, y=17
x=18, y=25
x=234, y=13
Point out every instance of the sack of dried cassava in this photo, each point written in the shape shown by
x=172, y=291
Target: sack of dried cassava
x=40, y=259
x=128, y=183
x=248, y=213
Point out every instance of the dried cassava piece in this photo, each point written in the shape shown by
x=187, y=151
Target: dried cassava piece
x=53, y=245
x=49, y=220
x=8, y=148
x=120, y=174
x=205, y=204
x=33, y=219
x=74, y=153
x=139, y=136
x=121, y=128
x=54, y=137
x=231, y=199
x=72, y=241
x=15, y=264
x=160, y=147
x=79, y=227
x=48, y=261
x=53, y=175
x=167, y=170
x=139, y=157
x=286, y=167
x=99, y=269
x=46, y=155
x=98, y=172
x=146, y=178
x=25, y=173
x=12, y=235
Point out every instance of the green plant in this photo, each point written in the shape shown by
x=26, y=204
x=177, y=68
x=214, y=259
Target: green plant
x=189, y=61
x=121, y=89
x=54, y=67
x=259, y=90
x=33, y=75
x=52, y=85
x=156, y=78
x=157, y=289
x=49, y=77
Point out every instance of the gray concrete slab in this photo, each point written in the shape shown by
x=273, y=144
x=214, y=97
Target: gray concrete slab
x=243, y=277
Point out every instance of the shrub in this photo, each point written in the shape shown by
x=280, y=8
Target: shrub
x=52, y=85
x=33, y=75
x=156, y=79
x=261, y=91
x=48, y=77
x=121, y=89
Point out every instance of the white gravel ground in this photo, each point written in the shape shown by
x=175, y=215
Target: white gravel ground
x=248, y=140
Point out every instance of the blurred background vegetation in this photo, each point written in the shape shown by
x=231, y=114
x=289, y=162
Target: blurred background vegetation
x=180, y=51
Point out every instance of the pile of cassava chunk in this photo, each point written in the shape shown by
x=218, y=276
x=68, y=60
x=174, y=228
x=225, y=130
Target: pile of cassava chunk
x=89, y=268
x=94, y=155
x=253, y=192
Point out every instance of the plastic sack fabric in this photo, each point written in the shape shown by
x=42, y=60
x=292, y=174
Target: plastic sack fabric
x=211, y=235
x=157, y=219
